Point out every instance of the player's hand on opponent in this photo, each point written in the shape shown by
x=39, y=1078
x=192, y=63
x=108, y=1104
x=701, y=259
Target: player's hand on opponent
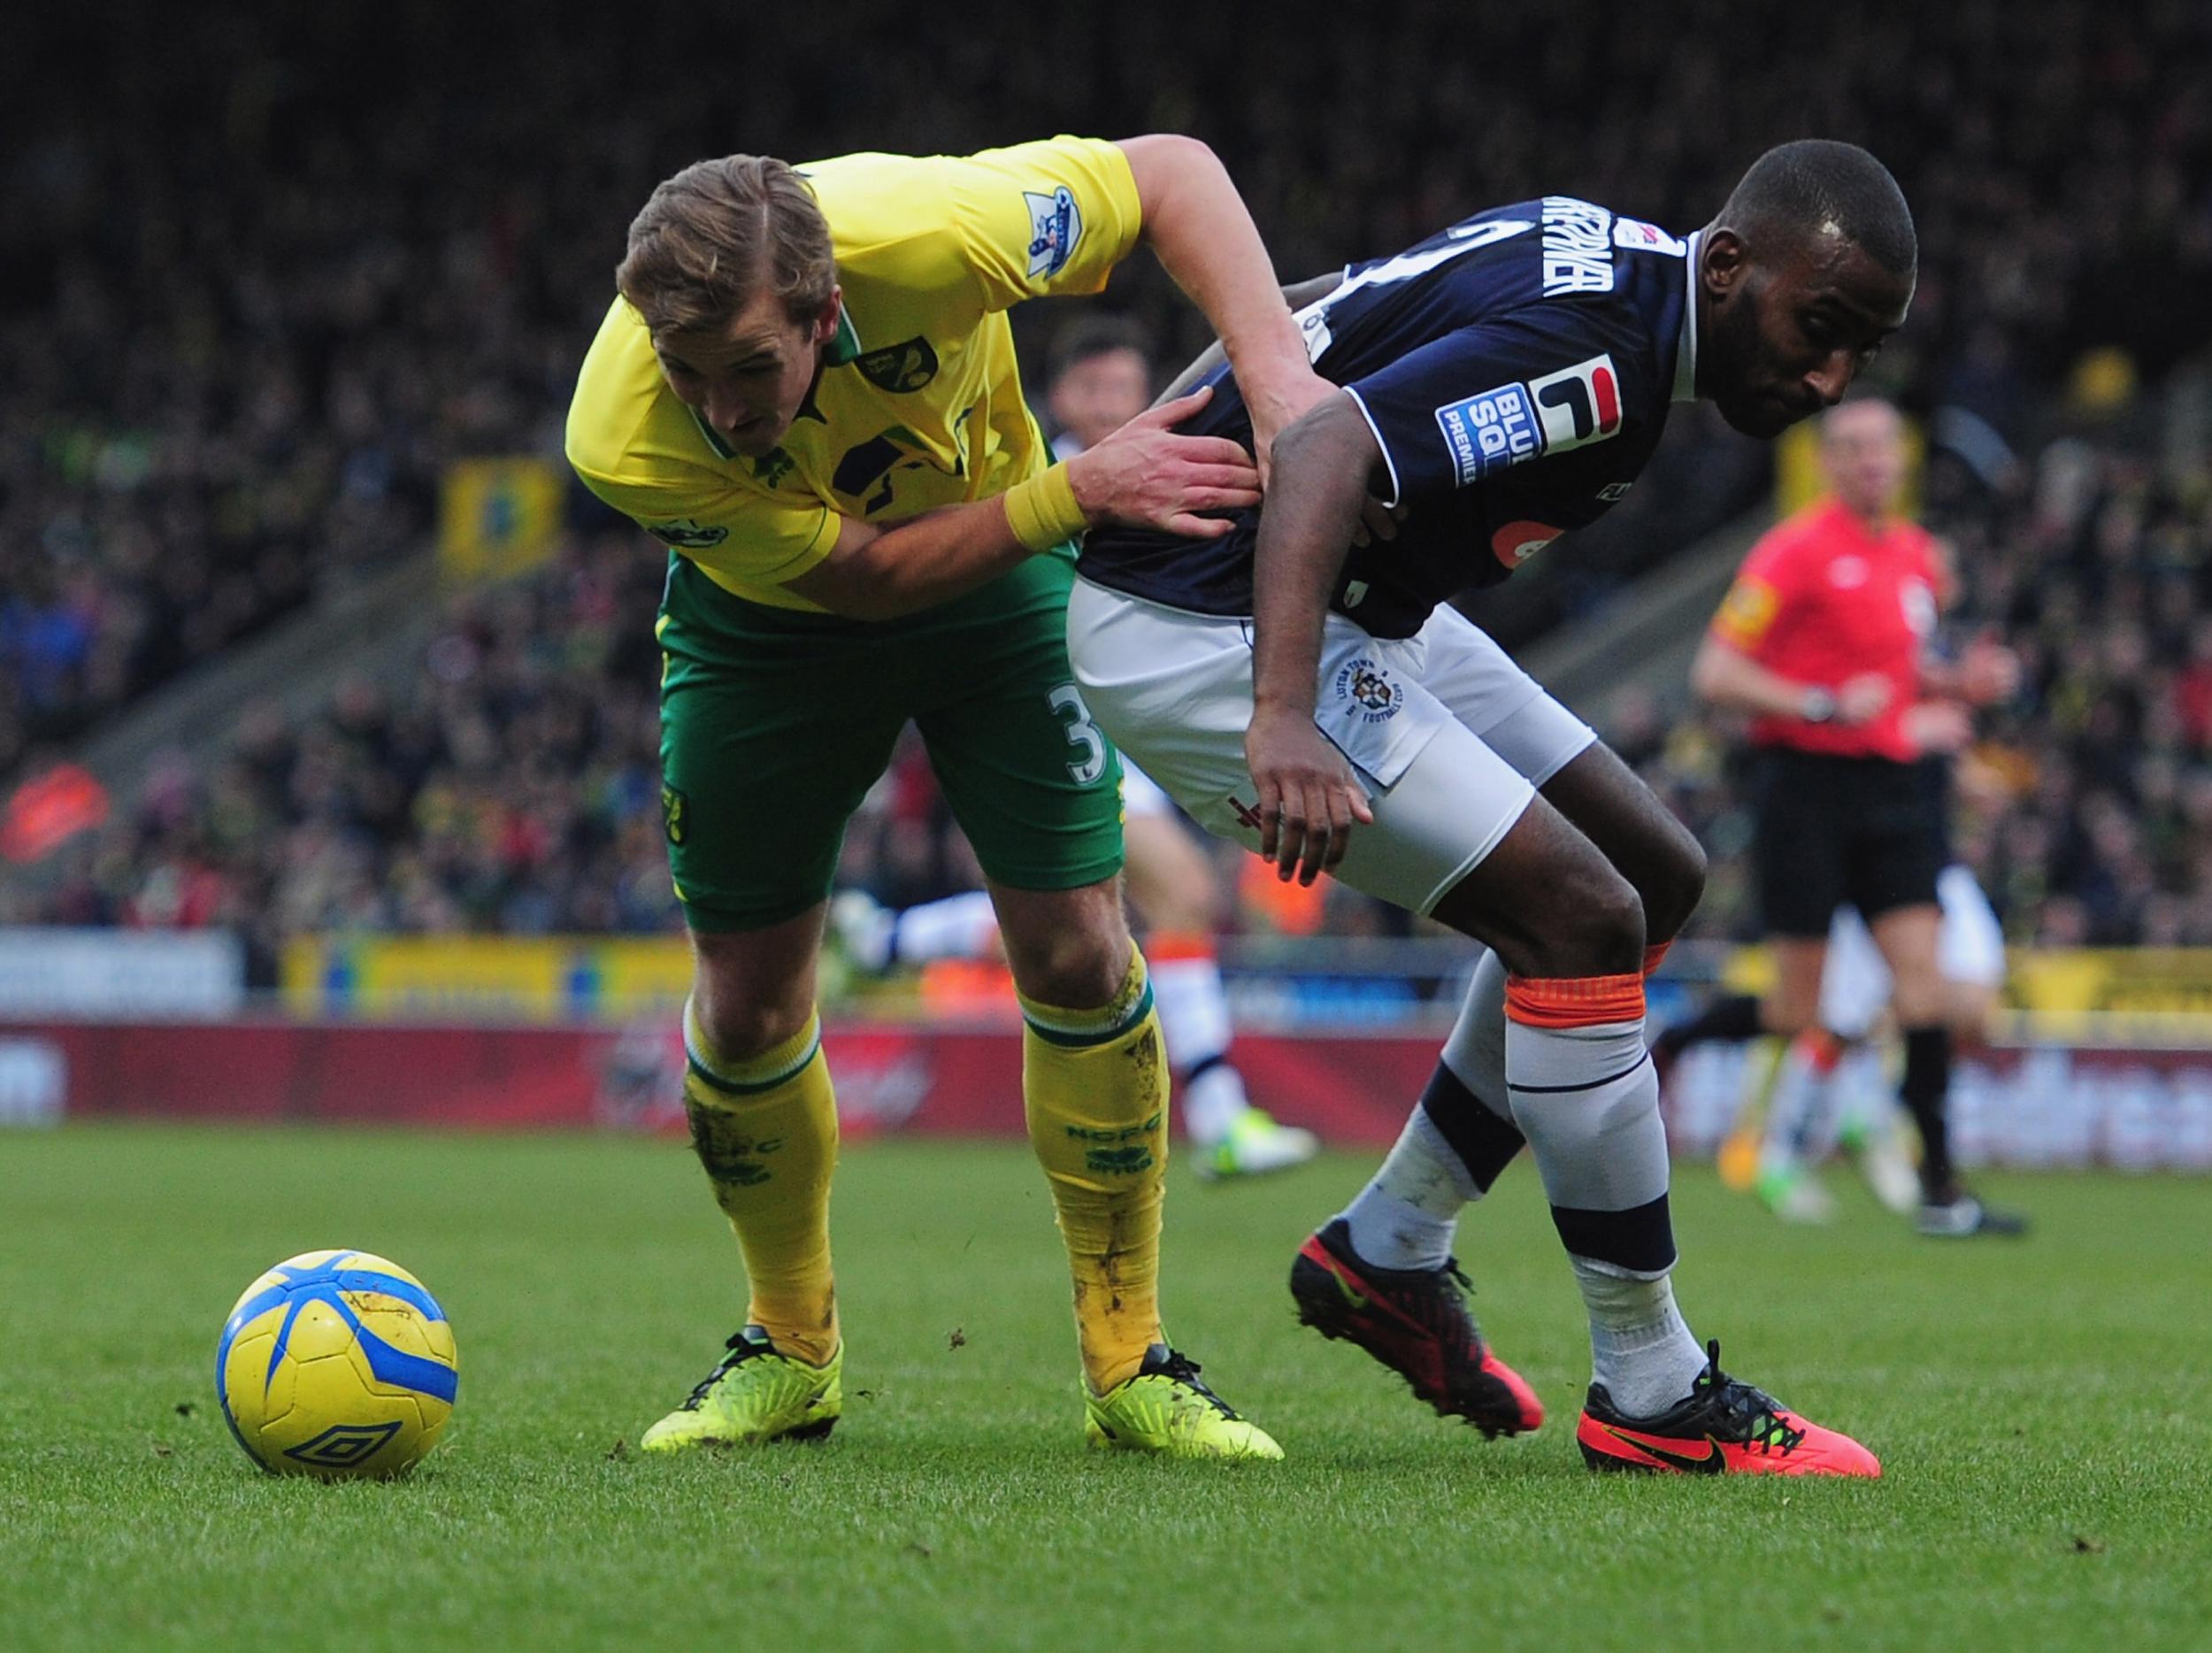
x=1309, y=797
x=1147, y=475
x=1862, y=699
x=1279, y=403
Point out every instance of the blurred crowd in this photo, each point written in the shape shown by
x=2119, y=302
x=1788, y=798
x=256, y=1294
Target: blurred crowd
x=262, y=276
x=2084, y=804
x=507, y=781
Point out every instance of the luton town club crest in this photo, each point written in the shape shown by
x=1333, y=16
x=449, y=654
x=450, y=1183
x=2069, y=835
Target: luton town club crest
x=1369, y=689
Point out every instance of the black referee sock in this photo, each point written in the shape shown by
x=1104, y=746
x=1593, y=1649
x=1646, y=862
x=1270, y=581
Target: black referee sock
x=1926, y=1091
x=1731, y=1016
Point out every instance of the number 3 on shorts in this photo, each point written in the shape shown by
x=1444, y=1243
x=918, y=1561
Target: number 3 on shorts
x=1067, y=704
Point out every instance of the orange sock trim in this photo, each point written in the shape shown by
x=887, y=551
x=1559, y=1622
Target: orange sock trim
x=1164, y=947
x=1654, y=956
x=1574, y=1001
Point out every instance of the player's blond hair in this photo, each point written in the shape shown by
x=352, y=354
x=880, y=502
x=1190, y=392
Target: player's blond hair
x=712, y=237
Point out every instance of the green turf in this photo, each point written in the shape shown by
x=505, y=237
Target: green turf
x=2039, y=1407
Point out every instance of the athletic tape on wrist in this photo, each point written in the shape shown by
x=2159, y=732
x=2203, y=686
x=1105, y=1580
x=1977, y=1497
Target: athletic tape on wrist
x=1042, y=512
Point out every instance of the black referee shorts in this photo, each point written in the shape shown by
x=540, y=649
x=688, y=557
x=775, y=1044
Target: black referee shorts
x=1864, y=832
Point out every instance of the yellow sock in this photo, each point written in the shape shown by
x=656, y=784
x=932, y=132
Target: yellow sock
x=1095, y=1083
x=766, y=1131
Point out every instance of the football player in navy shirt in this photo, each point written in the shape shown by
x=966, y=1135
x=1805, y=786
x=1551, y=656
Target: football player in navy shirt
x=1299, y=686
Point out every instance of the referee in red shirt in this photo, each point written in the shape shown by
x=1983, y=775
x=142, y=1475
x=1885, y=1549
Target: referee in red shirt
x=1823, y=640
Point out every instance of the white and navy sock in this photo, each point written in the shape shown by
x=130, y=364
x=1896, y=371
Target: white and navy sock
x=1585, y=1094
x=1457, y=1140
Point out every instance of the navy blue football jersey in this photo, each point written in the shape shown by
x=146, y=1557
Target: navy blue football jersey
x=1517, y=369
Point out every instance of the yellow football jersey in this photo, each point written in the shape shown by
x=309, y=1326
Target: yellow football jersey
x=918, y=404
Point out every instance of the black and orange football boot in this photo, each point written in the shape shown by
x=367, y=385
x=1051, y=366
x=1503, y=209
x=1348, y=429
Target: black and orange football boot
x=1416, y=1322
x=1725, y=1428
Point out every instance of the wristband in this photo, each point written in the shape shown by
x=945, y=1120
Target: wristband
x=1042, y=510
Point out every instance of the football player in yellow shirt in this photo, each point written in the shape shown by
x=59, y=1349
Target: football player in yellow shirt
x=808, y=390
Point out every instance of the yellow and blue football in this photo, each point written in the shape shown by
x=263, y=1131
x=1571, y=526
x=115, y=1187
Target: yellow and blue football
x=337, y=1365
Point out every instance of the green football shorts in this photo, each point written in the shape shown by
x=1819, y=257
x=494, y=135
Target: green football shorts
x=774, y=724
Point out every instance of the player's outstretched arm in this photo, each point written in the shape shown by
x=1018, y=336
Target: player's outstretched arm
x=1144, y=475
x=1198, y=225
x=1307, y=796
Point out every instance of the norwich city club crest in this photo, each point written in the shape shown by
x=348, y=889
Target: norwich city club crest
x=675, y=813
x=900, y=367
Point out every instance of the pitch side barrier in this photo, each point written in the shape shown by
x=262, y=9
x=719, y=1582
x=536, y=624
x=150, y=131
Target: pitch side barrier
x=2045, y=1105
x=2106, y=1057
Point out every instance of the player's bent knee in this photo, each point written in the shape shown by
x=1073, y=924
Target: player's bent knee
x=738, y=1029
x=747, y=998
x=1067, y=946
x=1593, y=925
x=1611, y=934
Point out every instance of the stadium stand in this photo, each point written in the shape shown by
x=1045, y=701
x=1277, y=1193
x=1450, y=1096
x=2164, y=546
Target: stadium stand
x=224, y=398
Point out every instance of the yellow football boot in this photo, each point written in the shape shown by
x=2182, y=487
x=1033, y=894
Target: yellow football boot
x=1165, y=1409
x=755, y=1394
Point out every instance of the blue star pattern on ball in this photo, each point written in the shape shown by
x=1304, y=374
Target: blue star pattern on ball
x=326, y=1282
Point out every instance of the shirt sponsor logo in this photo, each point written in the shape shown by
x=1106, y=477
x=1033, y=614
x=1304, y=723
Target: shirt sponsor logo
x=1577, y=405
x=1369, y=686
x=1577, y=247
x=1516, y=542
x=1488, y=432
x=686, y=534
x=1055, y=226
x=1634, y=231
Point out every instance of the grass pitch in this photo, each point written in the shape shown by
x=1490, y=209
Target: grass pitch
x=2038, y=1407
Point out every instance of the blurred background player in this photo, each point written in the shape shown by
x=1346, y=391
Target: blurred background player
x=1100, y=378
x=807, y=389
x=1831, y=1086
x=1823, y=640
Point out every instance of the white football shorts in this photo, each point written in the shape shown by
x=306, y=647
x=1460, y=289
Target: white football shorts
x=1855, y=980
x=1450, y=738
